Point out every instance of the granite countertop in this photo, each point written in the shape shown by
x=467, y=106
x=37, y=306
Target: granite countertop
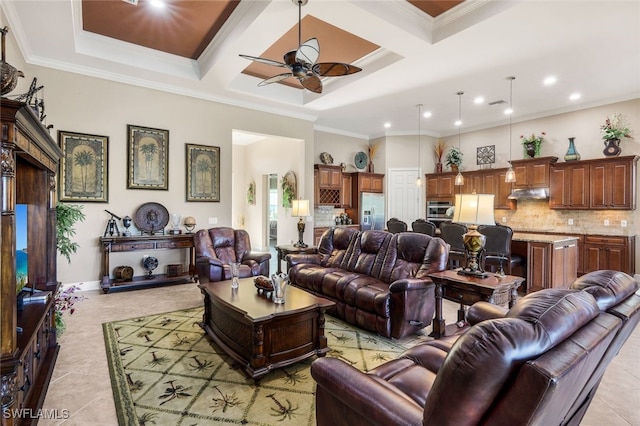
x=542, y=238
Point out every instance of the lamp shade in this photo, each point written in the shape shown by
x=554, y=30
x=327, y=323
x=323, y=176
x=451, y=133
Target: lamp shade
x=474, y=209
x=300, y=208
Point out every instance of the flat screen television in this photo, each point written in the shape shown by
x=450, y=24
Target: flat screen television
x=22, y=255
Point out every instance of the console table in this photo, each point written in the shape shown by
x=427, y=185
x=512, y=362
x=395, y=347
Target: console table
x=146, y=243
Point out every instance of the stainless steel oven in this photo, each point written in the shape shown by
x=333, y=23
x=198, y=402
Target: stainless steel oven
x=437, y=211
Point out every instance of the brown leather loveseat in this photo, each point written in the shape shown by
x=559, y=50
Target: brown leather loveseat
x=538, y=363
x=217, y=247
x=377, y=280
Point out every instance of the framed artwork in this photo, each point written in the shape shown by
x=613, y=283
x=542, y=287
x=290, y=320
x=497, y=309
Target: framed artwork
x=83, y=167
x=203, y=172
x=147, y=158
x=485, y=155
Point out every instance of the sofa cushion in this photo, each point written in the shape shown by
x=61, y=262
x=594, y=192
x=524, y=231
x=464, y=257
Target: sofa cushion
x=334, y=244
x=368, y=253
x=607, y=287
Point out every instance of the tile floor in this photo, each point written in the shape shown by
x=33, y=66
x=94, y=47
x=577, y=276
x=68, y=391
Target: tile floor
x=81, y=383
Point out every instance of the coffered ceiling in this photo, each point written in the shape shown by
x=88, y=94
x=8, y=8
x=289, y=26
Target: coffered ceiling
x=410, y=51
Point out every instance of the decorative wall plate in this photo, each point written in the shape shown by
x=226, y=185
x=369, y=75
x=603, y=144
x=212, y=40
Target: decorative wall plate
x=486, y=155
x=361, y=160
x=151, y=217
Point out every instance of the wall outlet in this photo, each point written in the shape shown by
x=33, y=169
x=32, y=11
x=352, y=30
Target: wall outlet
x=606, y=222
x=213, y=220
x=570, y=221
x=504, y=219
x=623, y=223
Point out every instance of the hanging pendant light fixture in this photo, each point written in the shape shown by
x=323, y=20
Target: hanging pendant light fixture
x=459, y=178
x=510, y=177
x=418, y=180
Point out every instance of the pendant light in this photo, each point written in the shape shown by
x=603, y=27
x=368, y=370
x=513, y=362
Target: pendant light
x=459, y=178
x=418, y=180
x=510, y=177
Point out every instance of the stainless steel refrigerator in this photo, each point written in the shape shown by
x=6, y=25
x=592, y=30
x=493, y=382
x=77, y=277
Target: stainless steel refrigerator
x=372, y=211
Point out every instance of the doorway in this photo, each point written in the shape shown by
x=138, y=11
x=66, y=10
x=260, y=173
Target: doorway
x=405, y=198
x=272, y=210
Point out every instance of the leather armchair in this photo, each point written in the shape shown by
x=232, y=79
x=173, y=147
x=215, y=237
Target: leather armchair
x=216, y=248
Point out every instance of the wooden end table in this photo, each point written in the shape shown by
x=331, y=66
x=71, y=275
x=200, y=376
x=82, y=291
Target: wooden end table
x=260, y=334
x=290, y=249
x=468, y=290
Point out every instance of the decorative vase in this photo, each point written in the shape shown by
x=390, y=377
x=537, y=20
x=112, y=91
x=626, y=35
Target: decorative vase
x=439, y=167
x=279, y=285
x=454, y=168
x=530, y=149
x=612, y=147
x=572, y=154
x=370, y=166
x=235, y=273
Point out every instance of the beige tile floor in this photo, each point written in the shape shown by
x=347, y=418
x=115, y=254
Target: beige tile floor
x=81, y=383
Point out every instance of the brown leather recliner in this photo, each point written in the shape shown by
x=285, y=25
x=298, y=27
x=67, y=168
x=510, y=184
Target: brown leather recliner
x=216, y=248
x=538, y=363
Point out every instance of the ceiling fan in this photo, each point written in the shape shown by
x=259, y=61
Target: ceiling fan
x=302, y=62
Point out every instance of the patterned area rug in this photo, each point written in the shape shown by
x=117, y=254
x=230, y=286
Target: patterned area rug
x=166, y=371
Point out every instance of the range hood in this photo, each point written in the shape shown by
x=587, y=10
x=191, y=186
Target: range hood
x=529, y=194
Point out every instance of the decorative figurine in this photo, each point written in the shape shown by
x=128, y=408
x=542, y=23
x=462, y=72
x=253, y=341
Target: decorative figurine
x=175, y=221
x=126, y=221
x=189, y=224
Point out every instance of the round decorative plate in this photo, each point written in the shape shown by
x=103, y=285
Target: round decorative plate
x=360, y=160
x=151, y=217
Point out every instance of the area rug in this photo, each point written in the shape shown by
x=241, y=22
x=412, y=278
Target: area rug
x=166, y=371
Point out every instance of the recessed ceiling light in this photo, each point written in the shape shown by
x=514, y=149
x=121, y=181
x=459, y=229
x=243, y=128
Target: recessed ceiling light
x=508, y=111
x=157, y=3
x=458, y=123
x=427, y=114
x=387, y=125
x=549, y=80
x=478, y=100
x=575, y=96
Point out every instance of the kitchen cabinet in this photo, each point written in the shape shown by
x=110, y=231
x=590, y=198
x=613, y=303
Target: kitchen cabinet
x=613, y=183
x=473, y=182
x=368, y=182
x=502, y=190
x=609, y=252
x=440, y=186
x=327, y=182
x=569, y=186
x=551, y=264
x=345, y=191
x=532, y=173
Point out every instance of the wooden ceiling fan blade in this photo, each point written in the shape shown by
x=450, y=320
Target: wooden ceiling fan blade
x=275, y=79
x=308, y=52
x=312, y=83
x=264, y=61
x=335, y=69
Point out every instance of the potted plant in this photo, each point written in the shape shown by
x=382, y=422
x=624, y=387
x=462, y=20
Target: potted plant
x=453, y=159
x=614, y=128
x=532, y=144
x=66, y=217
x=438, y=150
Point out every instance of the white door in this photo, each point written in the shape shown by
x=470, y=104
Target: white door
x=405, y=198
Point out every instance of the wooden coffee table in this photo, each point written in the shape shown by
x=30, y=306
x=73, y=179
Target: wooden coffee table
x=468, y=290
x=260, y=334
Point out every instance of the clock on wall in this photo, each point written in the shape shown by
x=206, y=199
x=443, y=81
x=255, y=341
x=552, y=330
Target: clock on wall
x=485, y=155
x=361, y=160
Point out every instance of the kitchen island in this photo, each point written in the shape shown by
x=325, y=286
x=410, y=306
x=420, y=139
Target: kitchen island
x=552, y=260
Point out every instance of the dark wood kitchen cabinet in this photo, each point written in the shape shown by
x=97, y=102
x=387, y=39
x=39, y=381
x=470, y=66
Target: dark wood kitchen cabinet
x=551, y=264
x=329, y=176
x=613, y=183
x=502, y=190
x=440, y=186
x=609, y=252
x=569, y=186
x=532, y=173
x=346, y=191
x=327, y=182
x=367, y=182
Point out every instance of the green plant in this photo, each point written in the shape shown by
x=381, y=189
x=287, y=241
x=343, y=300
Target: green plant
x=615, y=127
x=535, y=140
x=66, y=217
x=288, y=192
x=453, y=157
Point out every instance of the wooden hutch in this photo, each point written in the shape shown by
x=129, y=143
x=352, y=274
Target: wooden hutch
x=29, y=349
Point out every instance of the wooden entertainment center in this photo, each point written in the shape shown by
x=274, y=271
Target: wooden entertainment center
x=28, y=343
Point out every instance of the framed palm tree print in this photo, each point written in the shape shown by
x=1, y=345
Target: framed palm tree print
x=147, y=158
x=203, y=173
x=83, y=167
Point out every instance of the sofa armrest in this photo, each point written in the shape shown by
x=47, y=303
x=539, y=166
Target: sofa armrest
x=257, y=256
x=409, y=284
x=482, y=311
x=297, y=259
x=362, y=395
x=209, y=269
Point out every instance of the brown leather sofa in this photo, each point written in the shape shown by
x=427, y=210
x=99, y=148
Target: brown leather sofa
x=377, y=280
x=538, y=363
x=217, y=247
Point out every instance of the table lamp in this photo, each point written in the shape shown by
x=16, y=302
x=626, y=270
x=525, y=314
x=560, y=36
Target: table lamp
x=474, y=210
x=300, y=208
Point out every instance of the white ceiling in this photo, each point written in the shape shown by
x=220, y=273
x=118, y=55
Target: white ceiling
x=592, y=47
